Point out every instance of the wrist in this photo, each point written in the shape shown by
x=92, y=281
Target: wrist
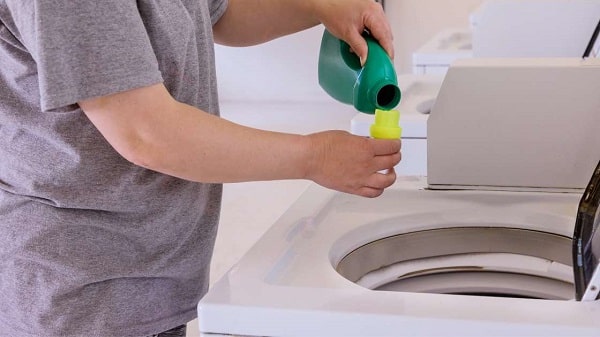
x=310, y=8
x=309, y=158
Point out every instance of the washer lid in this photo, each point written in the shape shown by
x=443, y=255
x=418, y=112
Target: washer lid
x=586, y=242
x=593, y=47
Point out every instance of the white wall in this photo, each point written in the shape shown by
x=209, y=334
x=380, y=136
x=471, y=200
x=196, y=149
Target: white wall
x=416, y=21
x=281, y=70
x=286, y=69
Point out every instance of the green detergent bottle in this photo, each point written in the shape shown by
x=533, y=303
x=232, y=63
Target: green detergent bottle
x=369, y=87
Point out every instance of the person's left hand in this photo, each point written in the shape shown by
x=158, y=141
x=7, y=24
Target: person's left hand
x=347, y=20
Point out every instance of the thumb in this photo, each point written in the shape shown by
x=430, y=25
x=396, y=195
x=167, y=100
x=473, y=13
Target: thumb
x=383, y=147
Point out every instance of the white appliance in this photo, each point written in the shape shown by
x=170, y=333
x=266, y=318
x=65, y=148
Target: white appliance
x=512, y=28
x=516, y=123
x=313, y=272
x=437, y=54
x=423, y=262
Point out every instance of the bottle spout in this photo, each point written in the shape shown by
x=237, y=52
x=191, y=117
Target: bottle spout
x=385, y=95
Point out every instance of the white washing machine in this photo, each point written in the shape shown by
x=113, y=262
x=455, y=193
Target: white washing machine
x=450, y=254
x=414, y=262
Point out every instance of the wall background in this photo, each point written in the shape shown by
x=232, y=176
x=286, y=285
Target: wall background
x=286, y=69
x=414, y=22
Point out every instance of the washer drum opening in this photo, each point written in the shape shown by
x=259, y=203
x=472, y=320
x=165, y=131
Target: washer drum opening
x=482, y=261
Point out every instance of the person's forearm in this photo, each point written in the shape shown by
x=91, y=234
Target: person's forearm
x=250, y=22
x=152, y=130
x=202, y=147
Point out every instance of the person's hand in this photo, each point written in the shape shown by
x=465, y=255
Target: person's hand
x=353, y=164
x=348, y=19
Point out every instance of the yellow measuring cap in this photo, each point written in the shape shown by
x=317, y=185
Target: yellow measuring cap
x=387, y=125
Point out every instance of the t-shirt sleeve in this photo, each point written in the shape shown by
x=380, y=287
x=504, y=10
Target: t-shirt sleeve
x=217, y=9
x=87, y=48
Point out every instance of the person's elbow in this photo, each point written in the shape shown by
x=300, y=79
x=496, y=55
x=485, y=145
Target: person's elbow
x=137, y=151
x=127, y=120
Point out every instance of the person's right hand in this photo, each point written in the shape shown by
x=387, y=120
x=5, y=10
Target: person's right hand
x=348, y=19
x=353, y=164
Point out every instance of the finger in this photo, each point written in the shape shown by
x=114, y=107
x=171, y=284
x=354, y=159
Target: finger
x=385, y=146
x=388, y=46
x=381, y=30
x=381, y=180
x=386, y=162
x=369, y=192
x=359, y=46
x=386, y=40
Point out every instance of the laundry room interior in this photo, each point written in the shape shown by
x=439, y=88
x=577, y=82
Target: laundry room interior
x=482, y=186
x=300, y=168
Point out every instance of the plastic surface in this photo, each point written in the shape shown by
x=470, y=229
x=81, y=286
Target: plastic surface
x=529, y=123
x=373, y=86
x=288, y=277
x=386, y=125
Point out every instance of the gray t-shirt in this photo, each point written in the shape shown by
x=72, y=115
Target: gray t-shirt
x=90, y=244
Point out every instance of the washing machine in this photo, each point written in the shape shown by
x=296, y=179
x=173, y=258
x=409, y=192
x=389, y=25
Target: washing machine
x=415, y=262
x=479, y=246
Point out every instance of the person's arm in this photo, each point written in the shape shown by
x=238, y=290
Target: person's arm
x=151, y=129
x=250, y=22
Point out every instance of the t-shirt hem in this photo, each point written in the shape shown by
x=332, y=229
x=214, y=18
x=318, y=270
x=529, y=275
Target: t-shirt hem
x=146, y=330
x=158, y=327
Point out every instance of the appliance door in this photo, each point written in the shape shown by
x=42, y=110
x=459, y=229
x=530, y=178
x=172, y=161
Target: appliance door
x=586, y=241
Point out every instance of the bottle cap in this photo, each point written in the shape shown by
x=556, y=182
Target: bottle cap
x=386, y=125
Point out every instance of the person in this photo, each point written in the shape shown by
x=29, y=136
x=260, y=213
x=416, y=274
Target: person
x=113, y=154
